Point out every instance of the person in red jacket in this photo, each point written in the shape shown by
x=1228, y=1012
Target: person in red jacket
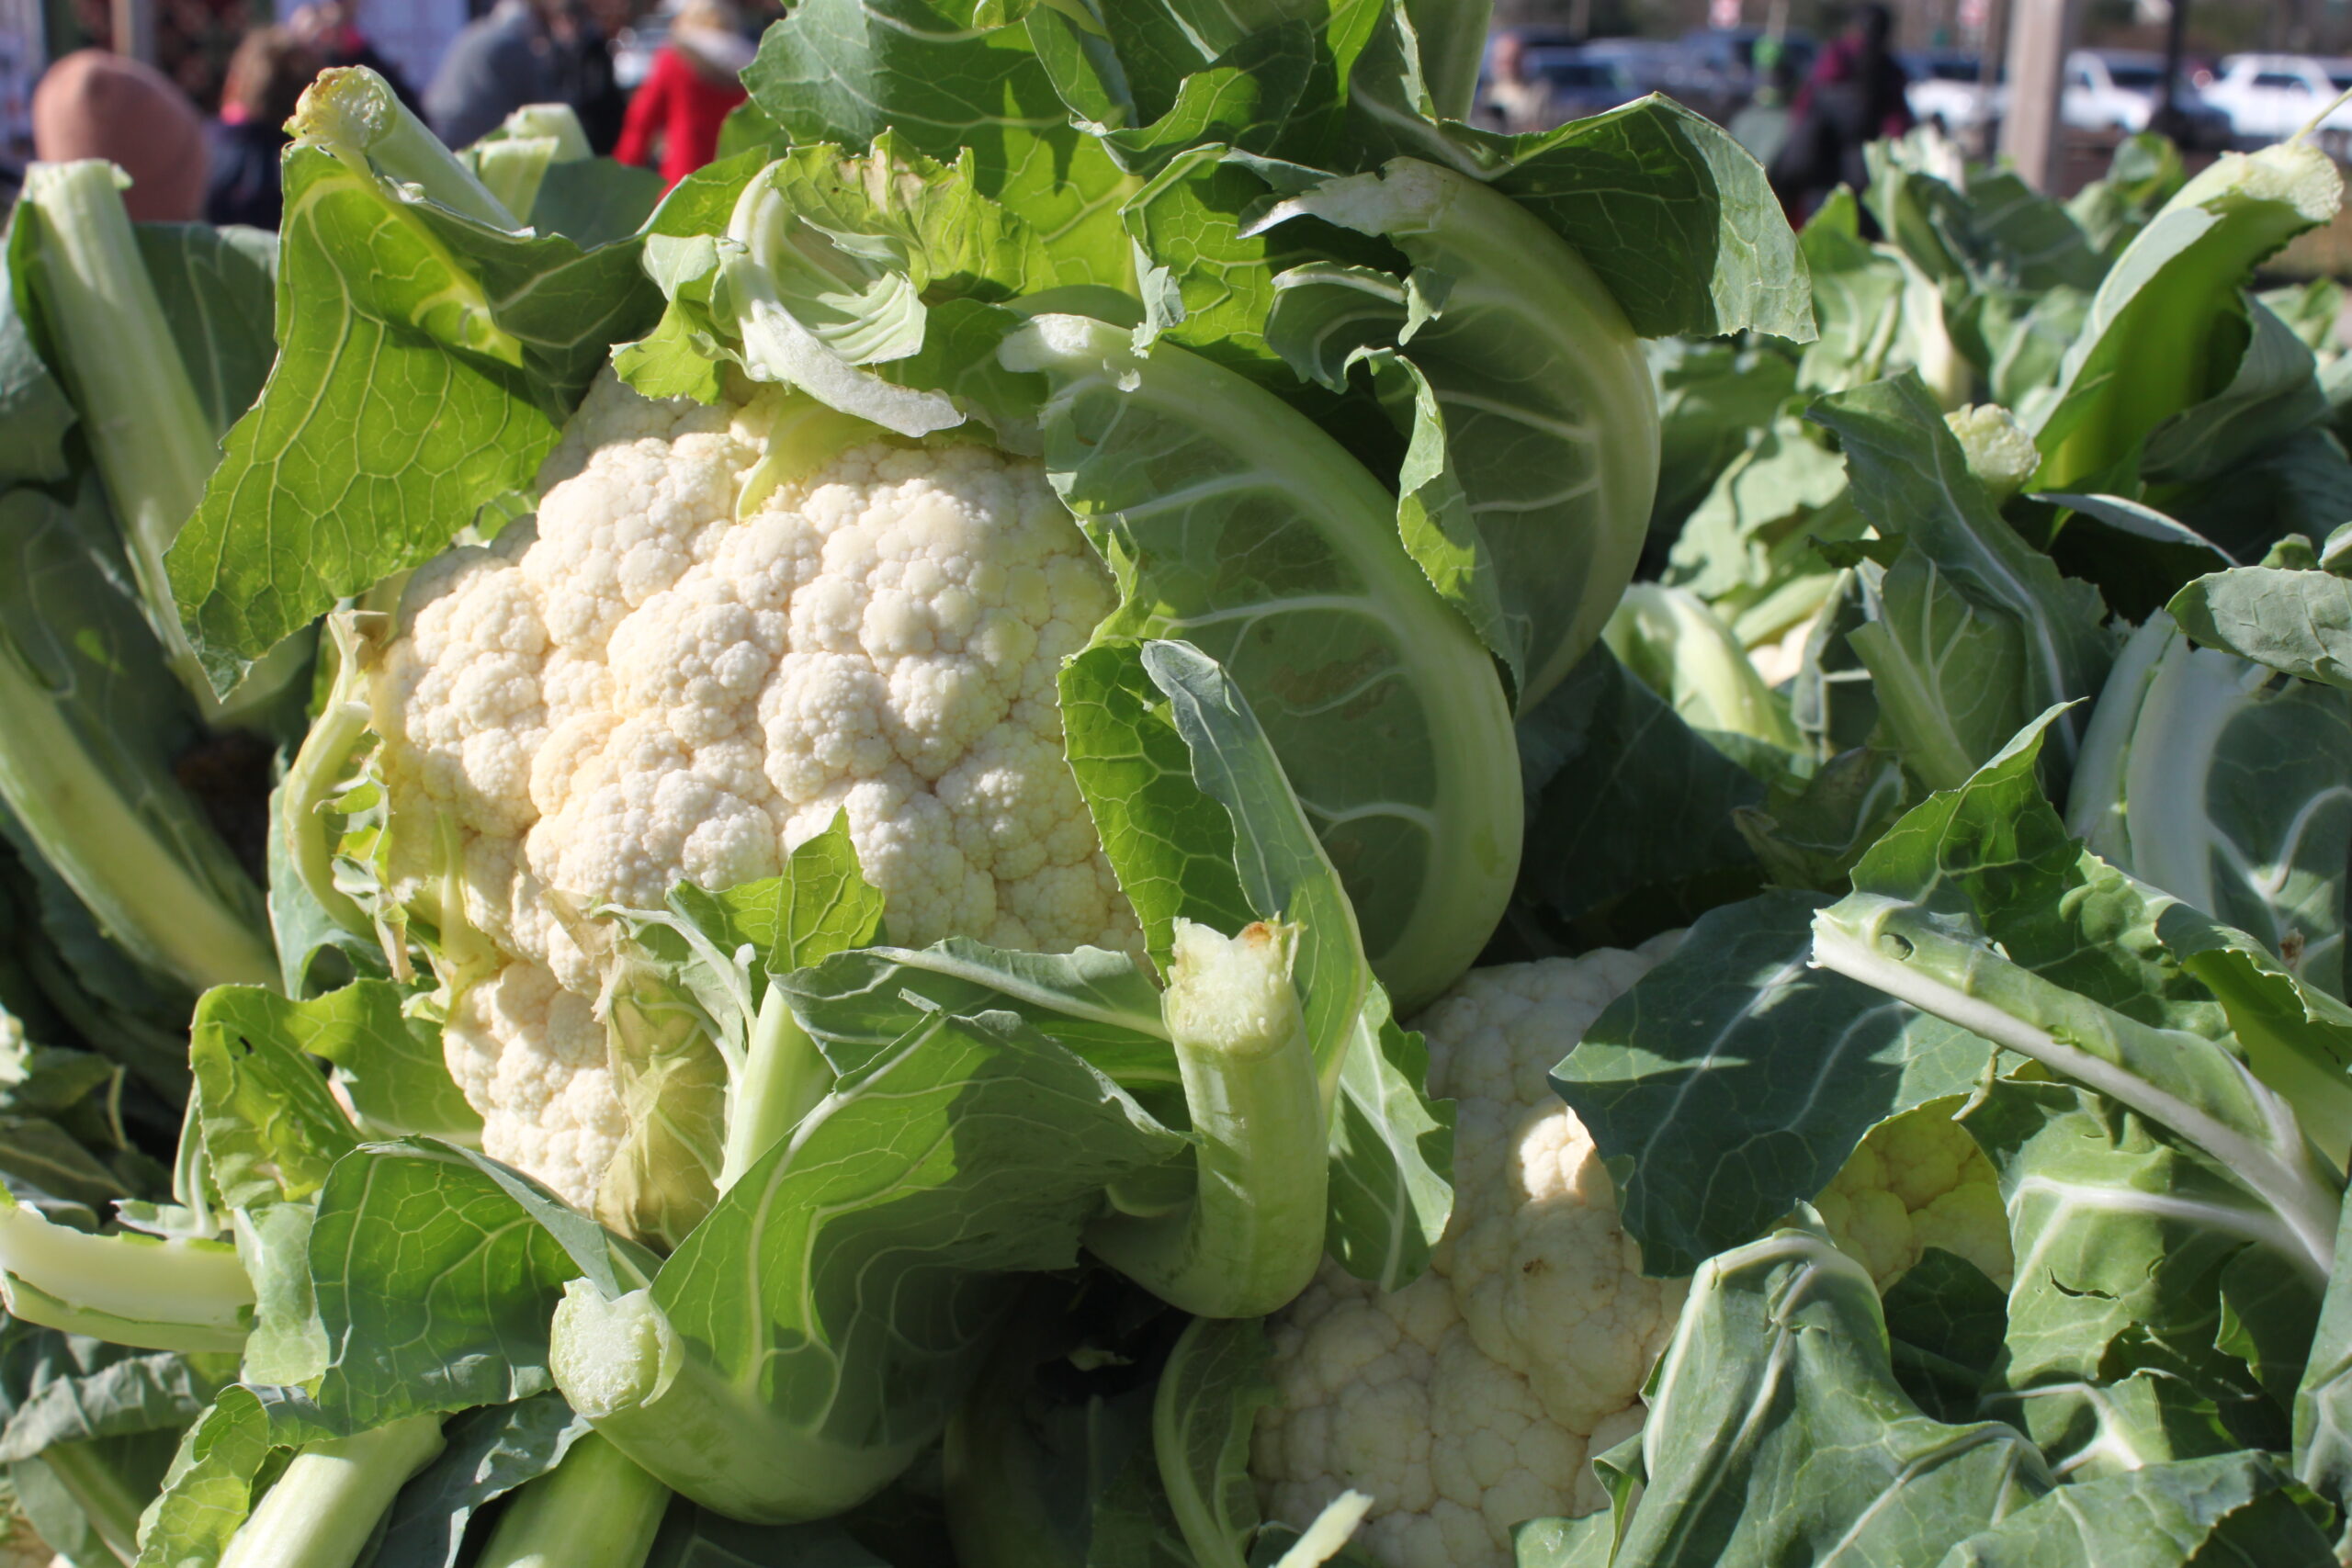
x=688, y=90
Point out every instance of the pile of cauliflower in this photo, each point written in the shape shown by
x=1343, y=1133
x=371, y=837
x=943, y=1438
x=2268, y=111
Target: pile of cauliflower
x=641, y=688
x=1473, y=1399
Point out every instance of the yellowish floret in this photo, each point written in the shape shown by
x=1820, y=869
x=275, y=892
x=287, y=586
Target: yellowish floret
x=1918, y=1182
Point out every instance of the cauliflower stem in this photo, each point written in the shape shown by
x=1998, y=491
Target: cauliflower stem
x=323, y=1510
x=596, y=1509
x=624, y=1367
x=181, y=1294
x=783, y=1077
x=184, y=919
x=85, y=1473
x=1247, y=1240
x=154, y=446
x=1251, y=1236
x=354, y=113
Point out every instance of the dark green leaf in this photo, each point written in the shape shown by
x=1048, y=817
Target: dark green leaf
x=1622, y=796
x=1104, y=1006
x=1736, y=1080
x=1233, y=522
x=1210, y=1391
x=1810, y=835
x=87, y=774
x=2122, y=1226
x=1944, y=1324
x=1911, y=479
x=594, y=201
x=2167, y=327
x=841, y=1296
x=59, y=1389
x=491, y=1451
x=1526, y=492
x=435, y=1286
x=1674, y=215
x=35, y=412
x=1778, y=1434
x=218, y=289
x=2232, y=1508
x=2300, y=622
x=2323, y=1407
x=2302, y=485
x=698, y=1538
x=2273, y=394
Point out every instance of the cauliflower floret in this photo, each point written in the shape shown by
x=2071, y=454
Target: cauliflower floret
x=1918, y=1182
x=1471, y=1400
x=2000, y=453
x=530, y=1057
x=641, y=689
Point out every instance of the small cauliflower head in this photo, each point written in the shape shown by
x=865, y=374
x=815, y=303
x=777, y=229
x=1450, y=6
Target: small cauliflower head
x=1469, y=1401
x=641, y=689
x=1918, y=1180
x=2000, y=452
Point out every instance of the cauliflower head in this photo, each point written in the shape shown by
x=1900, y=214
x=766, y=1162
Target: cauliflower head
x=1469, y=1401
x=1918, y=1180
x=641, y=688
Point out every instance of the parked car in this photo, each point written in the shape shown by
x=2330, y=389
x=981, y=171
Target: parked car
x=1583, y=85
x=2271, y=96
x=2117, y=90
x=1652, y=64
x=1534, y=42
x=1719, y=66
x=1948, y=90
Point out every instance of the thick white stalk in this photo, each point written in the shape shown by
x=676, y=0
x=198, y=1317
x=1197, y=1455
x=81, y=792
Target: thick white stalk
x=323, y=1511
x=596, y=1509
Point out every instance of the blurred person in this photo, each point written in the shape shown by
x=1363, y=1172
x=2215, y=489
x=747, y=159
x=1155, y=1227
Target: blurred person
x=687, y=92
x=1516, y=101
x=331, y=27
x=193, y=42
x=1855, y=96
x=91, y=104
x=267, y=74
x=498, y=63
x=581, y=68
x=1762, y=123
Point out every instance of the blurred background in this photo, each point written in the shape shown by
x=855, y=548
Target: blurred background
x=2050, y=85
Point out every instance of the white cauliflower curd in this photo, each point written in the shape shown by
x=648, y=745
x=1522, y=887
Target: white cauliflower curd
x=642, y=688
x=1470, y=1401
